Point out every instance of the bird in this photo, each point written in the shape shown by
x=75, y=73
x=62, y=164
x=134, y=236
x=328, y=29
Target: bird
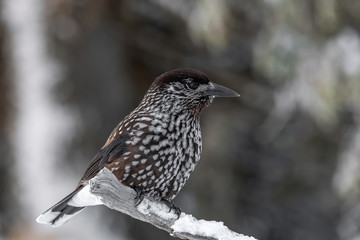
x=154, y=149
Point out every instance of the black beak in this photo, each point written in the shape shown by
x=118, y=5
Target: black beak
x=217, y=90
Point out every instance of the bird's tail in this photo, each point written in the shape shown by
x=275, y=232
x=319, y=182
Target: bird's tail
x=62, y=211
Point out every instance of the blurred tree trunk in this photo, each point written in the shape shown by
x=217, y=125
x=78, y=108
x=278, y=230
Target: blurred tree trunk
x=8, y=204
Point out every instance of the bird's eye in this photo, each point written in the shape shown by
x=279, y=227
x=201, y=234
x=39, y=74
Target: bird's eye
x=192, y=84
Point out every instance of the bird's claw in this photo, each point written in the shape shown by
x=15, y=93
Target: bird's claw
x=172, y=206
x=140, y=194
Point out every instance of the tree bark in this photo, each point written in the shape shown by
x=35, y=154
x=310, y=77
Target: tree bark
x=121, y=198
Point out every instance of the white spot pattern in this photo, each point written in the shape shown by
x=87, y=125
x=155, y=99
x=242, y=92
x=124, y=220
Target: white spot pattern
x=167, y=141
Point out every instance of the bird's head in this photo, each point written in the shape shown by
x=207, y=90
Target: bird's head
x=187, y=89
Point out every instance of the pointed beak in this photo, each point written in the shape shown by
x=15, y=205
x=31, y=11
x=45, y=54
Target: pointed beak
x=217, y=90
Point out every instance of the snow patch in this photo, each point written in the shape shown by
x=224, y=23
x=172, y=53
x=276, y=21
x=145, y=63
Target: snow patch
x=146, y=207
x=211, y=229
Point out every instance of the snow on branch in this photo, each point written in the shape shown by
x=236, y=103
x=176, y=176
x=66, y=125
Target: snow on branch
x=121, y=198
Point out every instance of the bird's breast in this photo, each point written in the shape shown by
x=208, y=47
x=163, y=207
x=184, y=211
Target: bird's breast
x=161, y=153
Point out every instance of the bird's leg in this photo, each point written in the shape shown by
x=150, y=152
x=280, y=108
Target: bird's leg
x=172, y=206
x=140, y=194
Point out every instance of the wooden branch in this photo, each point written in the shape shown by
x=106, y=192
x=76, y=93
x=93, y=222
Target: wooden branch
x=121, y=198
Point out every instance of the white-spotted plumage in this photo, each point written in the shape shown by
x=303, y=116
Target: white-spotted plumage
x=155, y=148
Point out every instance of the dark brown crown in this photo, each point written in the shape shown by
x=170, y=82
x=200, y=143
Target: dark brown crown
x=180, y=74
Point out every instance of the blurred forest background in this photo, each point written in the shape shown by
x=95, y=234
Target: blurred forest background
x=281, y=162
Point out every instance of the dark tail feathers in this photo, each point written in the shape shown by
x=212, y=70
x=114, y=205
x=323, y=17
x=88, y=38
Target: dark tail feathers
x=60, y=212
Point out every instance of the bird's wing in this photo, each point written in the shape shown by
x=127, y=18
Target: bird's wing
x=107, y=154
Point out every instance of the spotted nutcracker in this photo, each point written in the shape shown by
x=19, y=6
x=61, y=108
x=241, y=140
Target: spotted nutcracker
x=155, y=148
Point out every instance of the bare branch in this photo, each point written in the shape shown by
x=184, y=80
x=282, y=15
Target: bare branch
x=122, y=198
